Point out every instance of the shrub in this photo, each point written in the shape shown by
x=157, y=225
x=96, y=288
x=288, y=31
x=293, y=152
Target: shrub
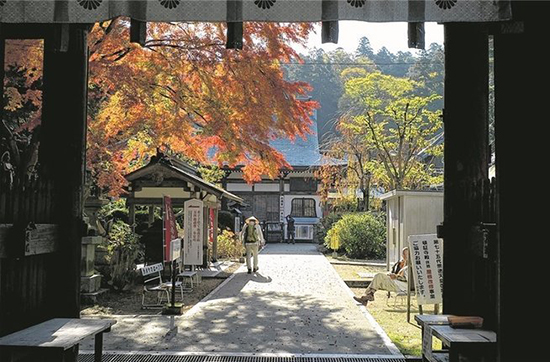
x=326, y=224
x=360, y=235
x=124, y=251
x=229, y=245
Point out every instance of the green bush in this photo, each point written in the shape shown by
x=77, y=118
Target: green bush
x=124, y=251
x=229, y=245
x=360, y=235
x=326, y=224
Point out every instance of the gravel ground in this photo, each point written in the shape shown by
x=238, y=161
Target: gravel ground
x=129, y=302
x=296, y=303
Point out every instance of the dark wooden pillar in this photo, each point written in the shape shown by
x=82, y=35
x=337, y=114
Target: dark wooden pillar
x=151, y=217
x=521, y=112
x=226, y=174
x=131, y=213
x=2, y=54
x=215, y=236
x=63, y=156
x=466, y=167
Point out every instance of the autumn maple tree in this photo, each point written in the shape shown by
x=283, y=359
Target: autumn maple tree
x=184, y=92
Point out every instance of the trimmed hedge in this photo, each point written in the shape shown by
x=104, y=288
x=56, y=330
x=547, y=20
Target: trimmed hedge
x=360, y=235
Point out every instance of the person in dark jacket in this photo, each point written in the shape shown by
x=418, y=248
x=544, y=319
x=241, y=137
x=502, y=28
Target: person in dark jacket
x=290, y=229
x=394, y=281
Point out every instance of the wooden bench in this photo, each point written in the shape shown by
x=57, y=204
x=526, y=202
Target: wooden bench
x=460, y=344
x=53, y=338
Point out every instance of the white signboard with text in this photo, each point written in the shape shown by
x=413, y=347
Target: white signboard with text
x=281, y=209
x=175, y=252
x=193, y=232
x=426, y=253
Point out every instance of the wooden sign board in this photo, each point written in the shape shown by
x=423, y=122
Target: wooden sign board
x=41, y=239
x=34, y=239
x=175, y=247
x=426, y=254
x=4, y=231
x=193, y=236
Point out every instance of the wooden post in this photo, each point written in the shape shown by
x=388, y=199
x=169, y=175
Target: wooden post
x=2, y=53
x=466, y=164
x=215, y=241
x=63, y=156
x=132, y=213
x=151, y=218
x=205, y=235
x=520, y=106
x=98, y=347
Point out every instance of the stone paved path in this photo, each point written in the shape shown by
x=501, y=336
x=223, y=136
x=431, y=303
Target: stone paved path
x=296, y=303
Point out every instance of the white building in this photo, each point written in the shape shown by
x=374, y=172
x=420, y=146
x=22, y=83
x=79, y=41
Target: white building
x=294, y=193
x=410, y=213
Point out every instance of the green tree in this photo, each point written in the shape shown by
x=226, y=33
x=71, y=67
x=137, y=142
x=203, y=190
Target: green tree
x=397, y=125
x=353, y=180
x=364, y=49
x=317, y=70
x=429, y=70
x=326, y=73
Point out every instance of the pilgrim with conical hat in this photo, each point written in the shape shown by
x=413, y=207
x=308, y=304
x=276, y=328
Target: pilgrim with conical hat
x=252, y=237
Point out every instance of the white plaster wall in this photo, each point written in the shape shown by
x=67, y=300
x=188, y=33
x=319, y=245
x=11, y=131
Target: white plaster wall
x=159, y=192
x=266, y=187
x=239, y=187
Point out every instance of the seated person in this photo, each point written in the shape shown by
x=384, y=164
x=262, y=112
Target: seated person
x=395, y=281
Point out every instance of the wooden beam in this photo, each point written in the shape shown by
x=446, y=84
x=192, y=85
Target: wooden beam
x=139, y=184
x=146, y=201
x=329, y=27
x=138, y=32
x=234, y=36
x=520, y=105
x=329, y=32
x=466, y=167
x=26, y=31
x=60, y=41
x=215, y=232
x=62, y=156
x=416, y=35
x=234, y=24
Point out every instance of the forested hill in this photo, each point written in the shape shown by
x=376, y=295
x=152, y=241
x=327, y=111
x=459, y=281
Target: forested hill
x=327, y=73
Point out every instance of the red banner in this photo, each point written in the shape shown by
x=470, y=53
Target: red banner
x=170, y=230
x=211, y=226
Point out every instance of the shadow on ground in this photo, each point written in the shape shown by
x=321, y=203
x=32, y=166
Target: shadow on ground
x=255, y=322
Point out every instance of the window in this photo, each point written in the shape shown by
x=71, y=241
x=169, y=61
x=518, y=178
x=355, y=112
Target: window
x=304, y=232
x=303, y=208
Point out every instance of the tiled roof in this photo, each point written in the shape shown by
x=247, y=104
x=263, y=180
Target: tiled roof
x=300, y=152
x=188, y=172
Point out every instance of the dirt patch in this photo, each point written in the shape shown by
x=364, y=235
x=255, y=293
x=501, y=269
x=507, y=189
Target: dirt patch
x=352, y=272
x=129, y=302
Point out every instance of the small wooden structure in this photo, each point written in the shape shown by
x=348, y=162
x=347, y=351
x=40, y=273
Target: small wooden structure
x=410, y=213
x=168, y=176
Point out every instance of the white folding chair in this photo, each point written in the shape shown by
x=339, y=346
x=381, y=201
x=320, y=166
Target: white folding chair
x=152, y=283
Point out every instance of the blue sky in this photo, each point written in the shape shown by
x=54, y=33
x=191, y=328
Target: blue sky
x=391, y=35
